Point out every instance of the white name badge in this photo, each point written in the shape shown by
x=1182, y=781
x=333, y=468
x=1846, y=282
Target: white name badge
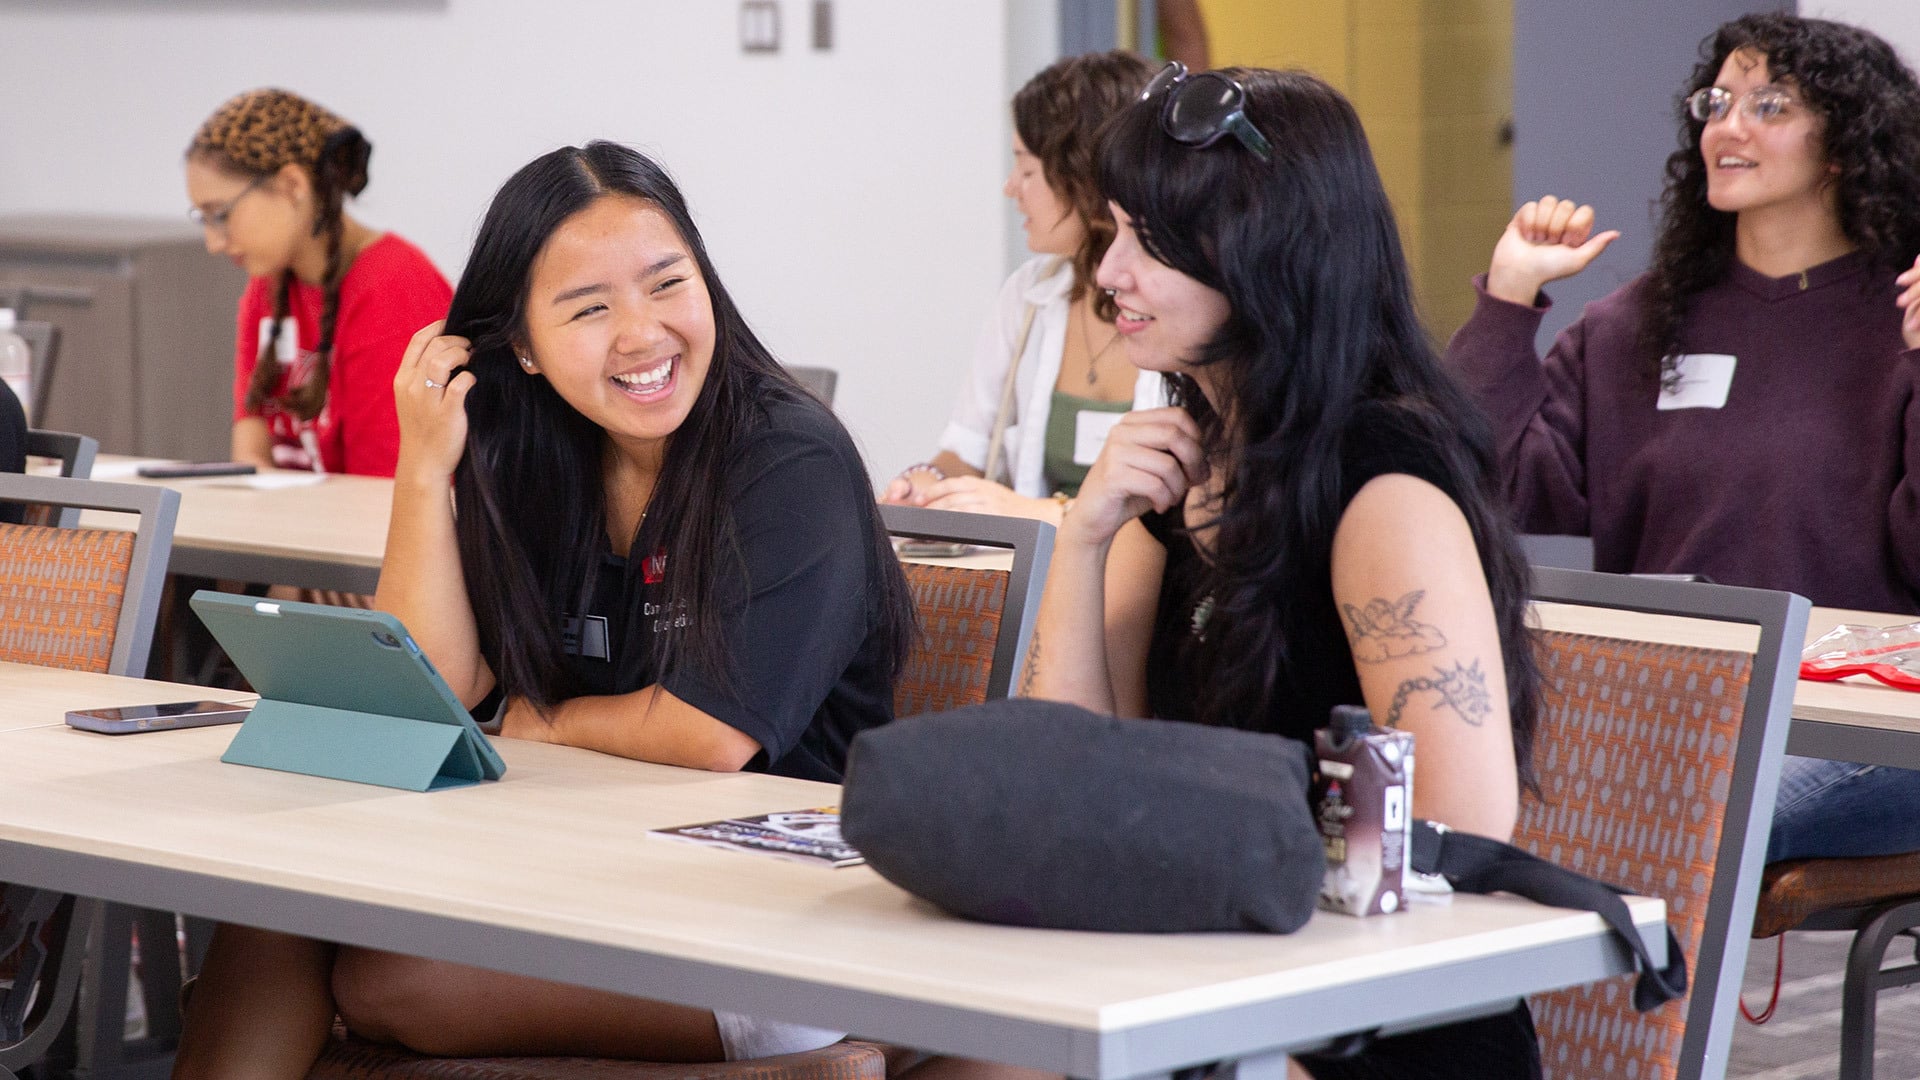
x=1701, y=382
x=286, y=347
x=1090, y=434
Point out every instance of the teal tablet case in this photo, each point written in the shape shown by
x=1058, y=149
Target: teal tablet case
x=346, y=694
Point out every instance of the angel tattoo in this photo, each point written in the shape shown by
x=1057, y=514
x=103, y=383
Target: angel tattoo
x=1382, y=631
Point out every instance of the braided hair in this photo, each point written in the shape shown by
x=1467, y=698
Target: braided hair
x=256, y=134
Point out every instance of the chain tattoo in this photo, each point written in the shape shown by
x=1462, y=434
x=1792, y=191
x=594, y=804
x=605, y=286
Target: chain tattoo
x=1462, y=688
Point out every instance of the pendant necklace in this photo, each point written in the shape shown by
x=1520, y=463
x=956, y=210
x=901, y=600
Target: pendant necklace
x=1093, y=355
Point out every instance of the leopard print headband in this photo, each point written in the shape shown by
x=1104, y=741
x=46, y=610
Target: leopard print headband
x=261, y=130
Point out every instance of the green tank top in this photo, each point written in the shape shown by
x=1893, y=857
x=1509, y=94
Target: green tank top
x=1063, y=474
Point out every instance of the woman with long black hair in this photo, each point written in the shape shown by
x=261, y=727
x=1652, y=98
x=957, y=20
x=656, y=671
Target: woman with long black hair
x=1316, y=522
x=1749, y=408
x=663, y=549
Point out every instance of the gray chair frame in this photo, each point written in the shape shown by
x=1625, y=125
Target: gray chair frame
x=75, y=453
x=1563, y=552
x=1032, y=545
x=1782, y=621
x=58, y=976
x=819, y=381
x=1875, y=927
x=43, y=347
x=158, y=508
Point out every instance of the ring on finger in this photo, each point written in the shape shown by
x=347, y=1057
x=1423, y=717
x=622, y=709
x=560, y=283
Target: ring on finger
x=431, y=385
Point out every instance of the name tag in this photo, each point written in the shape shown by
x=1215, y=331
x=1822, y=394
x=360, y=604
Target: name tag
x=1090, y=430
x=585, y=636
x=286, y=347
x=1702, y=381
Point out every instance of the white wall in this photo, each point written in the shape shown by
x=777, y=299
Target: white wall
x=850, y=198
x=1896, y=20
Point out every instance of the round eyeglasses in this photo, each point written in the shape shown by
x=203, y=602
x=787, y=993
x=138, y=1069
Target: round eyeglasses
x=1762, y=104
x=217, y=218
x=1200, y=109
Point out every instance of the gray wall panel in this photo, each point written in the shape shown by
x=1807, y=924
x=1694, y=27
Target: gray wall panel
x=1593, y=99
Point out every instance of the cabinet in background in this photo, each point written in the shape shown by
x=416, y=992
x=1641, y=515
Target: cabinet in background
x=146, y=322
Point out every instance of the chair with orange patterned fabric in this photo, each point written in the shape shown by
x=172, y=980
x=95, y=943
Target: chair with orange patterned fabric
x=83, y=599
x=975, y=620
x=1877, y=898
x=1665, y=708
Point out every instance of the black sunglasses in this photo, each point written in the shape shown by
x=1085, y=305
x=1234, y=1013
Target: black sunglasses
x=1202, y=108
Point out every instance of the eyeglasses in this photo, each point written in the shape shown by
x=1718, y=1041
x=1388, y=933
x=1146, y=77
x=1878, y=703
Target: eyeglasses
x=217, y=219
x=1202, y=108
x=1762, y=104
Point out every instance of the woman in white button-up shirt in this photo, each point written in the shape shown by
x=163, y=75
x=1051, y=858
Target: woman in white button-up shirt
x=1051, y=326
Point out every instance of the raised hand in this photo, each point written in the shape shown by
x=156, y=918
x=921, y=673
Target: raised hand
x=1909, y=302
x=432, y=401
x=1548, y=239
x=1152, y=457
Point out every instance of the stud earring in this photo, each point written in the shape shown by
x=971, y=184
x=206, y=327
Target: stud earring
x=526, y=363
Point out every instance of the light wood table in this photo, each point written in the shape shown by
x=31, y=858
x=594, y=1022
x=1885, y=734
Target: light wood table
x=37, y=696
x=1858, y=718
x=326, y=535
x=550, y=872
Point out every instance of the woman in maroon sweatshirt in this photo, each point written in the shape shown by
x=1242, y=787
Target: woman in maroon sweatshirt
x=1749, y=408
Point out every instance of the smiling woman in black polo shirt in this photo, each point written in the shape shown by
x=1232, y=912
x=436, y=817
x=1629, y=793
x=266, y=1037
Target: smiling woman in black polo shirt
x=665, y=549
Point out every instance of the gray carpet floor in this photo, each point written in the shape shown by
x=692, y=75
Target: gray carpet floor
x=1802, y=1040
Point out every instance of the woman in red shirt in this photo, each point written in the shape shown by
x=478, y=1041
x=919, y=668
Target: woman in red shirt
x=332, y=302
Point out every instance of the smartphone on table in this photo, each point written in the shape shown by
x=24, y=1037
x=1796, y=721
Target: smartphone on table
x=128, y=719
x=171, y=470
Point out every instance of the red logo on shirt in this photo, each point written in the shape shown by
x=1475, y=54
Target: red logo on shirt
x=653, y=569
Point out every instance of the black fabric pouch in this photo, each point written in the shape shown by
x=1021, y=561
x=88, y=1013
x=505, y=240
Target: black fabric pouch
x=1035, y=813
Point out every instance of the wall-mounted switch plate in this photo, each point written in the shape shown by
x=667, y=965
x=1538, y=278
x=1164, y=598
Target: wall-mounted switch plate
x=760, y=26
x=822, y=25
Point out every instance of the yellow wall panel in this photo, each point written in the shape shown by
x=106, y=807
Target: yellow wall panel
x=1264, y=33
x=1432, y=81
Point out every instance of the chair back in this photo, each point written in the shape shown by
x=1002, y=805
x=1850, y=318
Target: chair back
x=83, y=598
x=75, y=454
x=974, y=620
x=1564, y=552
x=819, y=381
x=1664, y=715
x=43, y=345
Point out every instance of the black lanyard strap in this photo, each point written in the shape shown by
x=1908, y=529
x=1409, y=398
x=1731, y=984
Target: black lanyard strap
x=1477, y=864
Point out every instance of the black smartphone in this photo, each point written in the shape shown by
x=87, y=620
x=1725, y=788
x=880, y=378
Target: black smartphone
x=195, y=468
x=128, y=719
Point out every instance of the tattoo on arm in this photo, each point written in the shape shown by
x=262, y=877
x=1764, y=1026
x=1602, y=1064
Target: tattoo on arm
x=1462, y=688
x=1384, y=631
x=1033, y=666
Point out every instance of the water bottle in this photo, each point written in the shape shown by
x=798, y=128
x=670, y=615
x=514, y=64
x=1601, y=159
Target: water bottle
x=16, y=362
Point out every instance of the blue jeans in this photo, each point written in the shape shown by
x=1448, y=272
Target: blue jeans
x=1830, y=809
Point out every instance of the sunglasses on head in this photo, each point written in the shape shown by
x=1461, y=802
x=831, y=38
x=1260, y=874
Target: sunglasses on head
x=1200, y=109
